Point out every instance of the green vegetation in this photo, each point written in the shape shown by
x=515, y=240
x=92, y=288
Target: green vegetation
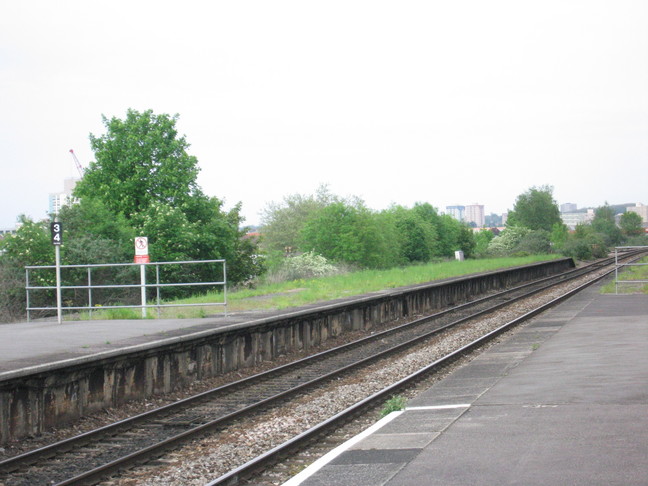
x=535, y=210
x=144, y=175
x=142, y=182
x=299, y=292
x=604, y=225
x=534, y=226
x=630, y=224
x=311, y=248
x=115, y=314
x=394, y=404
x=347, y=233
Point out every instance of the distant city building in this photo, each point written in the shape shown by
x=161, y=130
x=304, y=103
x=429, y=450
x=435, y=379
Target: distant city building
x=504, y=219
x=641, y=210
x=568, y=208
x=457, y=212
x=571, y=220
x=65, y=198
x=475, y=214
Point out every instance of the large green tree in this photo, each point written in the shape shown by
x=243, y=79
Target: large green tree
x=140, y=160
x=604, y=223
x=535, y=209
x=630, y=223
x=451, y=235
x=417, y=236
x=283, y=222
x=94, y=234
x=145, y=177
x=348, y=232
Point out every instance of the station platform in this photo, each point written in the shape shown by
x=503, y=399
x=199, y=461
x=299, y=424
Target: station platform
x=564, y=401
x=27, y=346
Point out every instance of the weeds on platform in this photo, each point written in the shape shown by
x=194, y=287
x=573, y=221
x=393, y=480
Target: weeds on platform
x=394, y=404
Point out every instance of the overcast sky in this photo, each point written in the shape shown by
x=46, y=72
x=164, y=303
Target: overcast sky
x=446, y=102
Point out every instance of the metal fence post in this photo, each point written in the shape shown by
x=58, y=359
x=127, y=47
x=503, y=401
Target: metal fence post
x=143, y=283
x=27, y=288
x=90, y=291
x=157, y=288
x=616, y=271
x=225, y=285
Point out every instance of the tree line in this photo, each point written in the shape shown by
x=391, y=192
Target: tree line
x=144, y=182
x=344, y=230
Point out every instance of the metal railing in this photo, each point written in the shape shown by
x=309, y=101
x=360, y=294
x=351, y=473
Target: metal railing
x=621, y=265
x=142, y=285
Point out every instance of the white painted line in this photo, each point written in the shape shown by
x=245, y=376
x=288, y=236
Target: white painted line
x=325, y=459
x=440, y=407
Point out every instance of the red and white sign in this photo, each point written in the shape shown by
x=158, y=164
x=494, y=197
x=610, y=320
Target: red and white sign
x=141, y=250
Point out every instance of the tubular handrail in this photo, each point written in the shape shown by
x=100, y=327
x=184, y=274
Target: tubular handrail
x=630, y=264
x=142, y=285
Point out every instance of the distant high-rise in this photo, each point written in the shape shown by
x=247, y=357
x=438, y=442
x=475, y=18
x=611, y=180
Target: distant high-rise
x=475, y=214
x=59, y=199
x=457, y=212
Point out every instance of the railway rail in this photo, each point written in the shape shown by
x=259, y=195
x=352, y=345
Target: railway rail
x=93, y=456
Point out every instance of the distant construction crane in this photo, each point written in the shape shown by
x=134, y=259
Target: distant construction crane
x=77, y=163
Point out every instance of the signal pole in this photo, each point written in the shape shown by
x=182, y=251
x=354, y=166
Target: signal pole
x=57, y=239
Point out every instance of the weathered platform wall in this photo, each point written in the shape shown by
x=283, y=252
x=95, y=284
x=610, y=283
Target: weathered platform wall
x=33, y=402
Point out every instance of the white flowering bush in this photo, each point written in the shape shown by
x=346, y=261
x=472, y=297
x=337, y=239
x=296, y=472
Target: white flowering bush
x=306, y=265
x=507, y=240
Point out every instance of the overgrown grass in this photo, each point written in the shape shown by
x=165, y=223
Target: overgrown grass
x=306, y=291
x=629, y=273
x=115, y=314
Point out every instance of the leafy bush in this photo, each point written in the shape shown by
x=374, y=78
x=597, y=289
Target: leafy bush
x=506, y=242
x=348, y=232
x=534, y=243
x=482, y=240
x=12, y=290
x=587, y=248
x=641, y=240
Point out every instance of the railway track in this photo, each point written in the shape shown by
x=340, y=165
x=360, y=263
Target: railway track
x=88, y=458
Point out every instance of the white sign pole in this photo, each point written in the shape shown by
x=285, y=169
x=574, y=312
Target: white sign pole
x=142, y=256
x=143, y=282
x=56, y=229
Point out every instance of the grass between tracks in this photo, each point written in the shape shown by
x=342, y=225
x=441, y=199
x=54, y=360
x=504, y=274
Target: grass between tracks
x=266, y=296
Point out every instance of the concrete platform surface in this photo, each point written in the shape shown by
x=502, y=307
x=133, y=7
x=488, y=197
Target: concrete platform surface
x=27, y=345
x=562, y=402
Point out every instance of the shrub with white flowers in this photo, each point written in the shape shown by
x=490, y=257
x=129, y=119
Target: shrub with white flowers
x=306, y=265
